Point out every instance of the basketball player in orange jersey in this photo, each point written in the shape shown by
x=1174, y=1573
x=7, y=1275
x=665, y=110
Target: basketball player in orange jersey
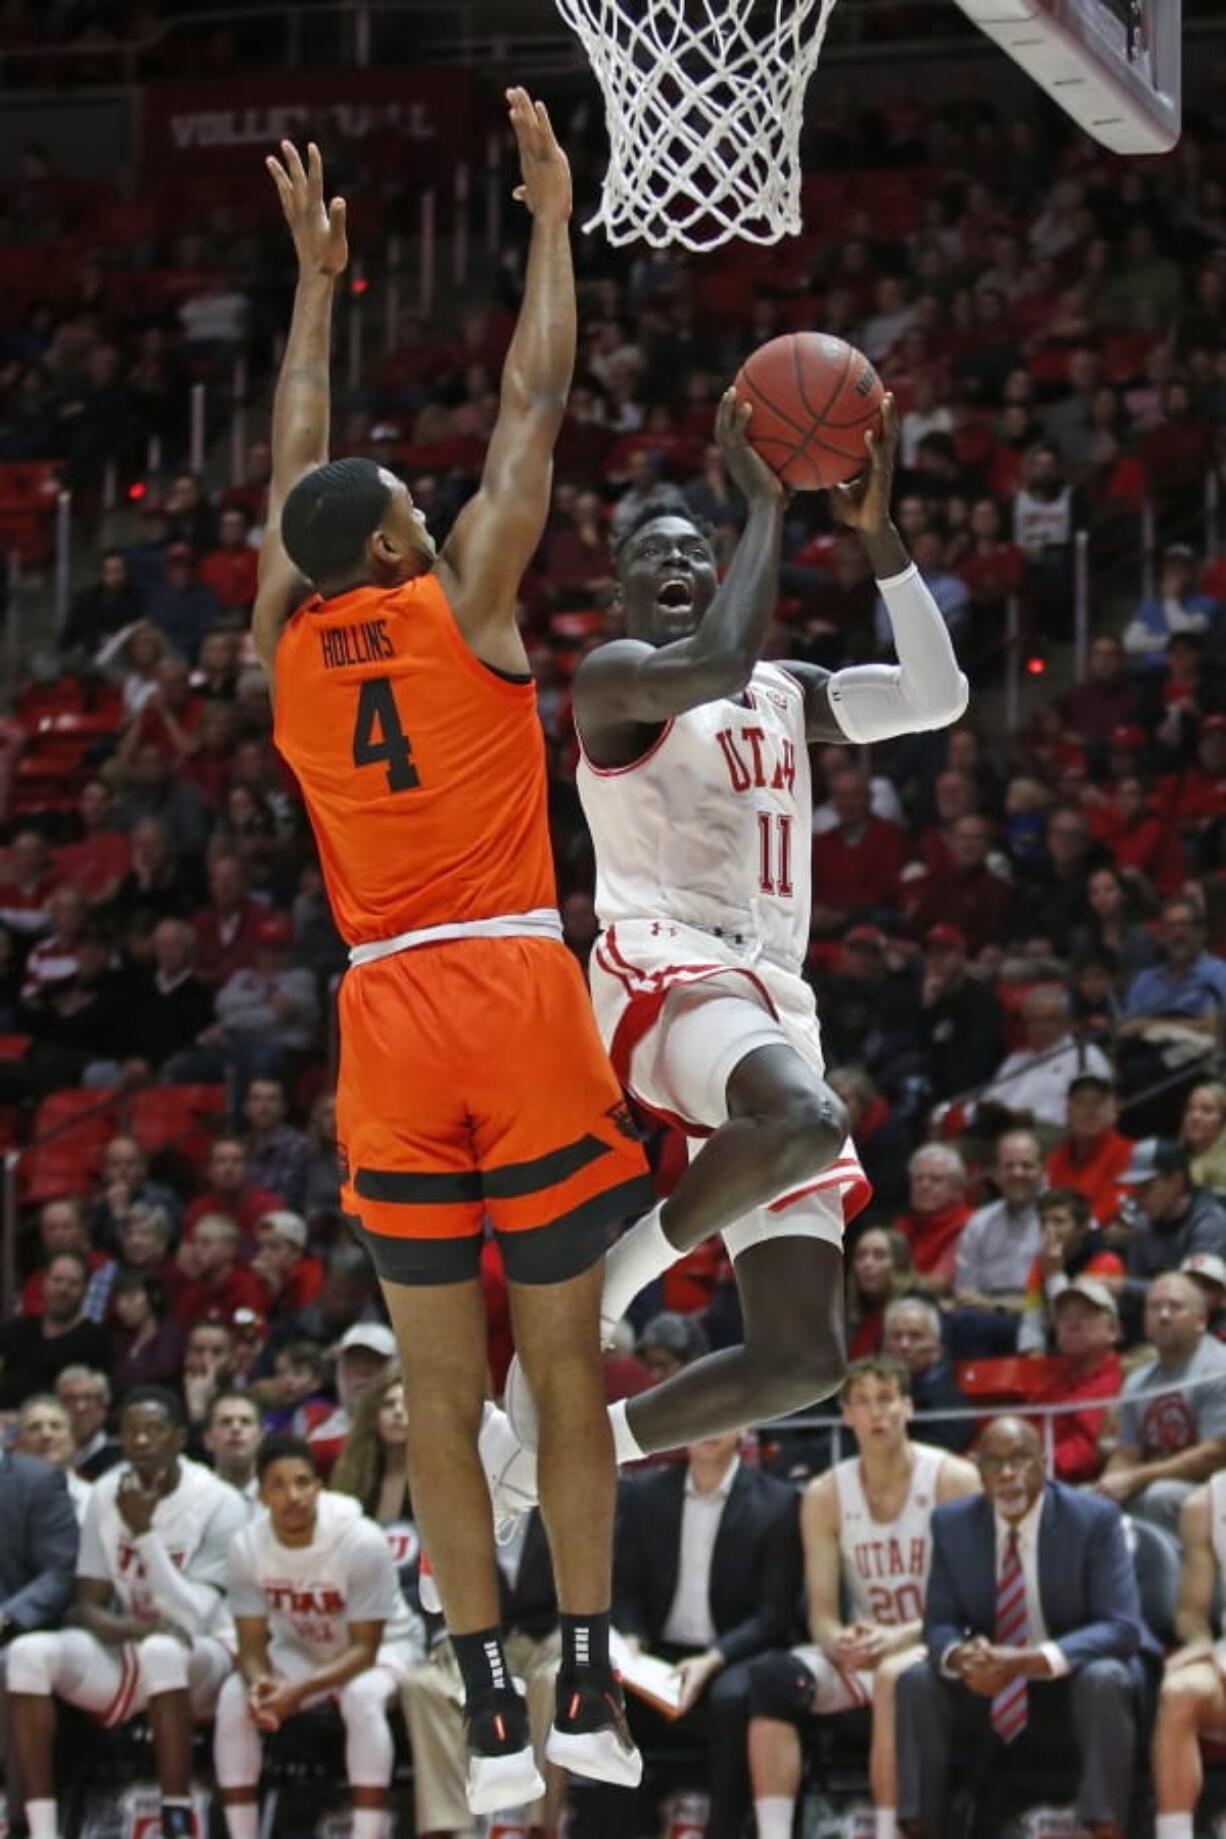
x=473, y=1084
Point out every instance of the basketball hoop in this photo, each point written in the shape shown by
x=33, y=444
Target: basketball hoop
x=703, y=104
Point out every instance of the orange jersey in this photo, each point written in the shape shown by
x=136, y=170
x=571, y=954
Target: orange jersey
x=423, y=769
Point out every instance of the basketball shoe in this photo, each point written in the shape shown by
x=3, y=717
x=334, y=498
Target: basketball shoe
x=590, y=1735
x=502, y=1769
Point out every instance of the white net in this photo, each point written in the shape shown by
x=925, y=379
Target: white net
x=703, y=104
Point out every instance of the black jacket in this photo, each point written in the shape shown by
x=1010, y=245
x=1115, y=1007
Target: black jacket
x=756, y=1569
x=532, y=1606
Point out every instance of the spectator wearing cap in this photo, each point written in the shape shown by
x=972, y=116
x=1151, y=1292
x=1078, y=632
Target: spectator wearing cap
x=181, y=606
x=1209, y=1272
x=857, y=864
x=1174, y=1217
x=291, y=1275
x=1087, y=1324
x=913, y=1335
x=999, y=1242
x=968, y=898
x=1172, y=1426
x=868, y=1006
x=937, y=1214
x=365, y=1357
x=1108, y=699
x=1173, y=1011
x=1196, y=796
x=218, y=1283
x=1070, y=1246
x=1176, y=607
x=226, y=928
x=1033, y=1083
x=1203, y=1135
x=962, y=1030
x=232, y=1191
x=1093, y=1155
x=277, y=1154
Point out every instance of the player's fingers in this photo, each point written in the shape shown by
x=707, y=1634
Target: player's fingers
x=315, y=171
x=336, y=215
x=293, y=163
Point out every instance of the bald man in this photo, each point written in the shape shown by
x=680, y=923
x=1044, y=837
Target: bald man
x=1172, y=1432
x=1035, y=1638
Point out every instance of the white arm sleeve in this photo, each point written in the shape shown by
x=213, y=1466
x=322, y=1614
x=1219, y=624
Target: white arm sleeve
x=189, y=1605
x=925, y=689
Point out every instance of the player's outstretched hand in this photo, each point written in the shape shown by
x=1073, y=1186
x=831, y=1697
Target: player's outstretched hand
x=546, y=188
x=318, y=229
x=746, y=468
x=864, y=502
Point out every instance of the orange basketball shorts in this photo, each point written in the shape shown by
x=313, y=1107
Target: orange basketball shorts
x=474, y=1087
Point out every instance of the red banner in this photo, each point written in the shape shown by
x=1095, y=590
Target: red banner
x=421, y=123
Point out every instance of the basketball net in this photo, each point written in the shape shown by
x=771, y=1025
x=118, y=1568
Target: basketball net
x=703, y=104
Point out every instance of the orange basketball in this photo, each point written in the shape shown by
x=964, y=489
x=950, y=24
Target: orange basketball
x=813, y=399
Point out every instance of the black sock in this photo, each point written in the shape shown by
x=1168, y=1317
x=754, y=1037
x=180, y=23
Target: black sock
x=178, y=1820
x=482, y=1663
x=585, y=1643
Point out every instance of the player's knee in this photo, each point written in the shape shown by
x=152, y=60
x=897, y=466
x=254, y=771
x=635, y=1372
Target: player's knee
x=163, y=1664
x=364, y=1697
x=815, y=1129
x=795, y=1370
x=1184, y=1694
x=780, y=1688
x=31, y=1664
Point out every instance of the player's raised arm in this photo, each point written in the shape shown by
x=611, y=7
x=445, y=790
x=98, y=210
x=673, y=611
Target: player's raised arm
x=302, y=404
x=926, y=688
x=642, y=680
x=496, y=534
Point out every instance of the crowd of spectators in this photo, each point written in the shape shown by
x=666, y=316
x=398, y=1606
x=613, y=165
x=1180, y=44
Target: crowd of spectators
x=1017, y=937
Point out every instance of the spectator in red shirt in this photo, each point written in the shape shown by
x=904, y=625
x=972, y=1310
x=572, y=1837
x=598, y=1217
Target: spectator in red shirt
x=968, y=897
x=217, y=1283
x=62, y=1228
x=857, y=865
x=251, y=494
x=26, y=880
x=100, y=859
x=932, y=1225
x=1195, y=797
x=168, y=720
x=290, y=1274
x=993, y=568
x=230, y=1191
x=956, y=797
x=231, y=569
x=1092, y=1157
x=1087, y=1330
x=1107, y=700
x=1138, y=838
x=580, y=565
x=228, y=929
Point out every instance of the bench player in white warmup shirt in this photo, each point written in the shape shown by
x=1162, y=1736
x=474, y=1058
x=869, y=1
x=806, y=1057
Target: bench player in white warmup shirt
x=866, y=1526
x=694, y=779
x=153, y=1633
x=320, y=1614
x=1192, y=1704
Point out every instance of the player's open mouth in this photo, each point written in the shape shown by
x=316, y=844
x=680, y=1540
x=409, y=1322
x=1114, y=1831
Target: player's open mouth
x=675, y=595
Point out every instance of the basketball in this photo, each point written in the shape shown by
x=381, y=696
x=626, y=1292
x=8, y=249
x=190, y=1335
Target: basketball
x=813, y=399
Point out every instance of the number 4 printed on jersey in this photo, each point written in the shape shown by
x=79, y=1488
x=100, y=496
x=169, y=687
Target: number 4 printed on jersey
x=775, y=853
x=379, y=738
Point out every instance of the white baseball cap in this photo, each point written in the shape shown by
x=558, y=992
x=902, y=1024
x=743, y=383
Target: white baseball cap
x=1207, y=1265
x=371, y=1335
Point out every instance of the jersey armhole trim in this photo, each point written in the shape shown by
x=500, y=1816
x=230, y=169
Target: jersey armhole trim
x=631, y=766
x=503, y=683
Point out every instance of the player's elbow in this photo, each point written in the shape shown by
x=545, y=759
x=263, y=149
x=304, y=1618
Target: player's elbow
x=949, y=705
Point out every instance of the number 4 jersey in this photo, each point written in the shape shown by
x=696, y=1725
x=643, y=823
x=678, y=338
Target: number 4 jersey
x=423, y=769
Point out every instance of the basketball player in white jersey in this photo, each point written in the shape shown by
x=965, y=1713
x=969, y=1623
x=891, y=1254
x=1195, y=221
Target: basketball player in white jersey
x=320, y=1615
x=866, y=1529
x=694, y=778
x=152, y=1630
x=1192, y=1704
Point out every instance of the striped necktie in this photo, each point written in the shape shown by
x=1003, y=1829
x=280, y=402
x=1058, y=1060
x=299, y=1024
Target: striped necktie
x=1009, y=1711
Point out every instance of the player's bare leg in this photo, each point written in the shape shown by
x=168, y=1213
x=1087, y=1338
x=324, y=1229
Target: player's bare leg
x=1193, y=1701
x=883, y=1755
x=32, y=1726
x=441, y=1333
x=791, y=1292
x=170, y=1719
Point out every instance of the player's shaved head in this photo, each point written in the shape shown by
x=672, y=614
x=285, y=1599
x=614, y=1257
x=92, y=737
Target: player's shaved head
x=351, y=522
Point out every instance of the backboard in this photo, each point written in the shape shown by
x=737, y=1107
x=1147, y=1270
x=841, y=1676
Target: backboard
x=1113, y=65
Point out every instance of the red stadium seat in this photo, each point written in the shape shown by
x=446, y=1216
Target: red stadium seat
x=27, y=505
x=77, y=1125
x=1017, y=1379
x=182, y=1118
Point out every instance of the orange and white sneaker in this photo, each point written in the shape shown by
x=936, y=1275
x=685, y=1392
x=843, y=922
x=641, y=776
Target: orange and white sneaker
x=502, y=1769
x=590, y=1735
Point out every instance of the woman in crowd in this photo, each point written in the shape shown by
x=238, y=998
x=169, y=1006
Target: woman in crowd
x=879, y=1271
x=1113, y=923
x=44, y=1429
x=146, y=1341
x=373, y=1468
x=1203, y=1135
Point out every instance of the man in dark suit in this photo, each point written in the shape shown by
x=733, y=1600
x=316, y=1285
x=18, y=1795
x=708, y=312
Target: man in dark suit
x=38, y=1561
x=707, y=1573
x=1034, y=1633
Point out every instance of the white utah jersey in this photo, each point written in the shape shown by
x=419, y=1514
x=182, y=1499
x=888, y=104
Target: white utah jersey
x=196, y=1523
x=711, y=827
x=886, y=1562
x=309, y=1594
